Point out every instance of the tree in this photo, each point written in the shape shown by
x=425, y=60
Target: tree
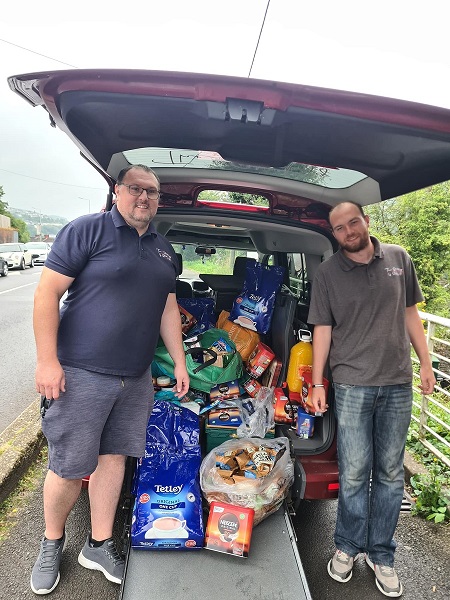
x=420, y=222
x=244, y=198
x=18, y=224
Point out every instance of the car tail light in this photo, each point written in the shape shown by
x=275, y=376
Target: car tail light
x=333, y=487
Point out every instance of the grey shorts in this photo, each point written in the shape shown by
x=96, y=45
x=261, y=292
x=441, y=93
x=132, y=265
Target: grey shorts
x=97, y=414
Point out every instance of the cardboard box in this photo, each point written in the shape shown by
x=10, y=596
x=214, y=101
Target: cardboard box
x=259, y=360
x=229, y=529
x=250, y=385
x=224, y=416
x=285, y=407
x=224, y=351
x=272, y=373
x=305, y=424
x=228, y=389
x=306, y=394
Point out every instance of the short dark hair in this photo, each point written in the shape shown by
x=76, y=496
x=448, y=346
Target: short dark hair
x=125, y=170
x=358, y=206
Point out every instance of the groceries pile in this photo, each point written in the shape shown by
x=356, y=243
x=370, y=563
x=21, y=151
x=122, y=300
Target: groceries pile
x=235, y=396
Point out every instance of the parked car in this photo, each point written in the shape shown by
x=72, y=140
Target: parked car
x=3, y=267
x=39, y=250
x=17, y=255
x=250, y=166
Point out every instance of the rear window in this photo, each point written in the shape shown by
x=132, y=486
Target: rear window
x=162, y=158
x=10, y=248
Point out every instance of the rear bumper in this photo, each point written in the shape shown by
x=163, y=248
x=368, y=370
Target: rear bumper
x=321, y=475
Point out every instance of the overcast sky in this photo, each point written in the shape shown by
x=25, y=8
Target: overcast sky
x=390, y=48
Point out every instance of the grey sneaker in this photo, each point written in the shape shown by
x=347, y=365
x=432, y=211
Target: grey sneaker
x=340, y=567
x=45, y=573
x=386, y=579
x=105, y=558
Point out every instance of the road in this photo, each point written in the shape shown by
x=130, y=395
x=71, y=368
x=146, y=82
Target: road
x=17, y=349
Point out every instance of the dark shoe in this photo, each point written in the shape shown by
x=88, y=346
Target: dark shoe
x=45, y=573
x=340, y=567
x=386, y=579
x=104, y=558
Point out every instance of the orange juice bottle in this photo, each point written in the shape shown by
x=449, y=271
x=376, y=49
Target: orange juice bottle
x=300, y=356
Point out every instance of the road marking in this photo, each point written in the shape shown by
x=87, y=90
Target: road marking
x=19, y=287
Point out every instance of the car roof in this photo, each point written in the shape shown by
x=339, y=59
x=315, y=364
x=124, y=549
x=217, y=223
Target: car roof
x=303, y=147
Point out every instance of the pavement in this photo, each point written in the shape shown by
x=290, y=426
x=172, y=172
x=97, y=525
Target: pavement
x=21, y=442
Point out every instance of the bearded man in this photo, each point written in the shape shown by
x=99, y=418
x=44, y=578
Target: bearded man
x=364, y=312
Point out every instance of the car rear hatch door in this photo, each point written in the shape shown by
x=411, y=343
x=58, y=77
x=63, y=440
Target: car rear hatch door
x=332, y=145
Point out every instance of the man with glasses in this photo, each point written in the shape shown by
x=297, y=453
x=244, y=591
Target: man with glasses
x=93, y=362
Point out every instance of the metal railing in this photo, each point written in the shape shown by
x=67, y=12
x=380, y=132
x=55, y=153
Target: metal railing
x=431, y=423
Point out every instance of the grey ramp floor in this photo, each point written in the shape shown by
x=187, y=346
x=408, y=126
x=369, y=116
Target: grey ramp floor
x=272, y=570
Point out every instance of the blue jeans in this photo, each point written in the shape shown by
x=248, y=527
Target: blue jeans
x=372, y=425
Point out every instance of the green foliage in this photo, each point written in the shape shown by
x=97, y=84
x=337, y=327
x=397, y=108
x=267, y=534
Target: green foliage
x=18, y=224
x=238, y=197
x=214, y=196
x=430, y=500
x=21, y=226
x=420, y=222
x=248, y=199
x=3, y=205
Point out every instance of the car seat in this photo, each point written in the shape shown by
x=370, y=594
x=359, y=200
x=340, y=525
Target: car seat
x=227, y=287
x=183, y=288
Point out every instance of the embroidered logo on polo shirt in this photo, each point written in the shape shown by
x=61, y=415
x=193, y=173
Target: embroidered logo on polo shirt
x=394, y=271
x=164, y=254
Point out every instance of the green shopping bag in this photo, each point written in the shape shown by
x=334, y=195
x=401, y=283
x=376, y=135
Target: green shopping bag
x=205, y=375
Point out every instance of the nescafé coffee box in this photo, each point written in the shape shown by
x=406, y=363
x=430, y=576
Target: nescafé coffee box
x=229, y=529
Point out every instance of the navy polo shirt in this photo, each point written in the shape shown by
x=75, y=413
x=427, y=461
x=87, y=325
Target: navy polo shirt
x=111, y=317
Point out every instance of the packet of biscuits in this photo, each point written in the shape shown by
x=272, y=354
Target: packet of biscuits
x=262, y=472
x=251, y=462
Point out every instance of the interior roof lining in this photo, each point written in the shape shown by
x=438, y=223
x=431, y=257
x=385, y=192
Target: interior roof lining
x=267, y=237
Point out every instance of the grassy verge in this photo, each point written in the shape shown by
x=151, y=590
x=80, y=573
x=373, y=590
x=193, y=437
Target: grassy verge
x=10, y=508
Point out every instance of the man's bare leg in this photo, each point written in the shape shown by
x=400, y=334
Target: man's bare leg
x=105, y=485
x=60, y=496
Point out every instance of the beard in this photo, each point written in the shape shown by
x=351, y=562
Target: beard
x=358, y=244
x=137, y=217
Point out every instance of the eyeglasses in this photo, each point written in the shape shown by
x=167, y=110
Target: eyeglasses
x=135, y=190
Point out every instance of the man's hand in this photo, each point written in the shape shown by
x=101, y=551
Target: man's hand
x=182, y=377
x=319, y=400
x=50, y=380
x=427, y=379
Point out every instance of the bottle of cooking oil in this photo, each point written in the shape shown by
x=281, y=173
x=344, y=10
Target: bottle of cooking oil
x=300, y=356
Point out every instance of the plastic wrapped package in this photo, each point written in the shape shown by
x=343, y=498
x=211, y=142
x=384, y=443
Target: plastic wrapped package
x=249, y=472
x=257, y=414
x=168, y=508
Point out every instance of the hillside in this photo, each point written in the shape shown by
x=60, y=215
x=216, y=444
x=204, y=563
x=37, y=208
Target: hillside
x=50, y=224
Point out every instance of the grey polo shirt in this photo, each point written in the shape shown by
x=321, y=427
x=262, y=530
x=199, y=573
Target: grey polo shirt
x=365, y=305
x=111, y=317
